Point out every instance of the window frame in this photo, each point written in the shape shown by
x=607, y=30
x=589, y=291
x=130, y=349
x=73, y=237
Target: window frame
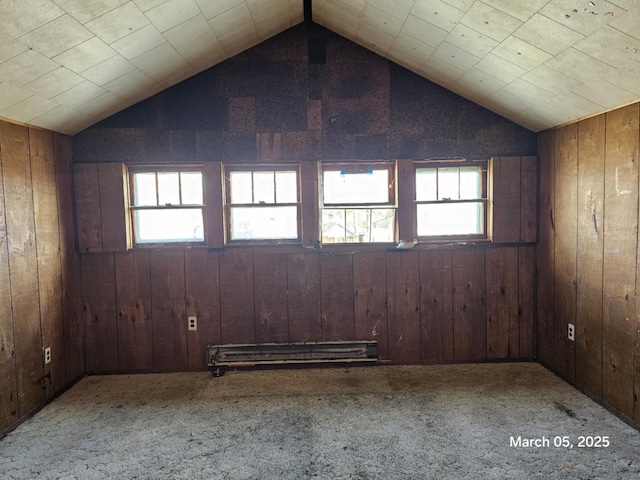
x=359, y=167
x=484, y=199
x=132, y=170
x=227, y=168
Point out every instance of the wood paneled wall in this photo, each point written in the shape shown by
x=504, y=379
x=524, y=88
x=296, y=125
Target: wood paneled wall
x=40, y=289
x=429, y=306
x=587, y=257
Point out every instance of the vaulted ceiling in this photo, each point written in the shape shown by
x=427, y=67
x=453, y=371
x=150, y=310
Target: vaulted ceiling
x=67, y=64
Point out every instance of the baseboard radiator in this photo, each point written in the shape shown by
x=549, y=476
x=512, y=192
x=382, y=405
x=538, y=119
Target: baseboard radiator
x=221, y=357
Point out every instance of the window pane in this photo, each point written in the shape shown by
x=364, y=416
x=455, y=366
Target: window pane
x=470, y=180
x=355, y=188
x=426, y=184
x=437, y=219
x=170, y=225
x=264, y=223
x=240, y=186
x=263, y=187
x=168, y=188
x=448, y=184
x=358, y=225
x=144, y=189
x=286, y=187
x=192, y=188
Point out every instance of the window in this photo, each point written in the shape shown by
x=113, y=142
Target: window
x=262, y=203
x=167, y=205
x=358, y=203
x=450, y=200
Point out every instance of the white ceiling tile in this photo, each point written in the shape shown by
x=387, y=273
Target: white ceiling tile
x=86, y=10
x=424, y=32
x=296, y=12
x=106, y=104
x=134, y=45
x=500, y=68
x=437, y=13
x=547, y=35
x=550, y=79
x=385, y=22
x=25, y=68
x=471, y=41
x=627, y=77
x=481, y=83
x=440, y=72
x=57, y=119
x=548, y=114
x=81, y=93
x=238, y=40
x=55, y=37
x=203, y=52
x=172, y=13
x=10, y=95
x=520, y=10
x=579, y=65
x=188, y=31
x=54, y=83
x=604, y=93
x=108, y=70
x=118, y=23
x=526, y=91
x=373, y=39
x=9, y=47
x=85, y=55
x=131, y=85
x=409, y=52
x=490, y=22
x=214, y=8
x=155, y=58
x=521, y=53
x=580, y=15
x=628, y=22
x=145, y=5
x=626, y=4
x=231, y=20
x=507, y=102
x=398, y=8
x=29, y=108
x=270, y=18
x=611, y=46
x=455, y=56
x=172, y=73
x=573, y=104
x=463, y=5
x=20, y=16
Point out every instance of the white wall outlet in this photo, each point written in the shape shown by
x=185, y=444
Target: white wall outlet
x=571, y=332
x=47, y=355
x=192, y=322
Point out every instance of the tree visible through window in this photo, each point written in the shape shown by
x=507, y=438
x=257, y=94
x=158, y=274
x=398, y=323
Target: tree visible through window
x=167, y=206
x=358, y=203
x=450, y=200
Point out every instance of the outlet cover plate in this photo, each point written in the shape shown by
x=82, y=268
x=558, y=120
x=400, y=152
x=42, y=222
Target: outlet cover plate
x=192, y=323
x=571, y=332
x=47, y=355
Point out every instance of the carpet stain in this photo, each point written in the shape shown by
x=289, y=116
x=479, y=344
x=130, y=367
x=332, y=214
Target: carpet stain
x=564, y=409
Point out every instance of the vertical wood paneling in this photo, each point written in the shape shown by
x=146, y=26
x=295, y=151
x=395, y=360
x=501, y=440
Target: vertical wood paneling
x=114, y=207
x=403, y=300
x=506, y=200
x=270, y=283
x=336, y=286
x=99, y=313
x=9, y=390
x=528, y=199
x=620, y=263
x=503, y=339
x=469, y=320
x=87, y=195
x=566, y=236
x=70, y=261
x=526, y=303
x=45, y=204
x=436, y=305
x=303, y=277
x=203, y=301
x=133, y=297
x=370, y=302
x=545, y=257
x=23, y=265
x=168, y=310
x=236, y=297
x=590, y=198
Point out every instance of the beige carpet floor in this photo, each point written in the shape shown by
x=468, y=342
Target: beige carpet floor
x=385, y=422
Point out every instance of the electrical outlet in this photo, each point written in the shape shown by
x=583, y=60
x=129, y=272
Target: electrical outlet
x=47, y=355
x=192, y=322
x=571, y=332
